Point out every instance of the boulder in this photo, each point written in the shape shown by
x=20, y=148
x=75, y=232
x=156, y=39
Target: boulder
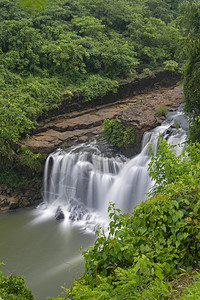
x=13, y=203
x=59, y=215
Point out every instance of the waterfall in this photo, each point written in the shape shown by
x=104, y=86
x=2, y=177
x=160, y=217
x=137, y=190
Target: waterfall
x=80, y=182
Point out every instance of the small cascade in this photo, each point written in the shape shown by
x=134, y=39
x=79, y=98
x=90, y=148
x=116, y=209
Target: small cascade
x=80, y=182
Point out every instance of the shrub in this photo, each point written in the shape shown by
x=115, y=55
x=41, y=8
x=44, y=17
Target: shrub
x=194, y=132
x=170, y=65
x=97, y=86
x=147, y=71
x=161, y=110
x=117, y=134
x=29, y=159
x=13, y=288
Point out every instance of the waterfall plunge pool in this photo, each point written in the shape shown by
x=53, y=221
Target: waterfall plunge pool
x=45, y=252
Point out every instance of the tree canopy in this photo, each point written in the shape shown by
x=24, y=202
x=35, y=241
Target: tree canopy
x=51, y=47
x=190, y=51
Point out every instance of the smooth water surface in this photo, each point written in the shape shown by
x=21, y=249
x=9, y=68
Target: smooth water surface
x=45, y=251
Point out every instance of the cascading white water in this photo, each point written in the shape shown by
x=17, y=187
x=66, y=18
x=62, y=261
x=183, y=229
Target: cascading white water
x=82, y=181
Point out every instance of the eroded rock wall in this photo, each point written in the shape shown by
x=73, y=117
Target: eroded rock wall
x=28, y=195
x=141, y=84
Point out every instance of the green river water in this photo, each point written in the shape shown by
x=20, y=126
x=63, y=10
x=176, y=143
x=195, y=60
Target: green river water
x=45, y=251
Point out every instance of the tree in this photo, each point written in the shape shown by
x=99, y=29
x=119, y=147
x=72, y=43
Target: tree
x=190, y=51
x=32, y=4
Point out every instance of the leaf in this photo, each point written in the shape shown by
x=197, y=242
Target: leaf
x=163, y=227
x=159, y=274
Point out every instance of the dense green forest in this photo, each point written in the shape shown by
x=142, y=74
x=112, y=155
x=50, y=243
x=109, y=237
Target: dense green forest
x=66, y=46
x=90, y=46
x=189, y=50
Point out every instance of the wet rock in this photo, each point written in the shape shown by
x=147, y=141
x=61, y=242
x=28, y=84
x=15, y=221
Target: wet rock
x=25, y=202
x=59, y=215
x=3, y=201
x=77, y=210
x=14, y=203
x=28, y=195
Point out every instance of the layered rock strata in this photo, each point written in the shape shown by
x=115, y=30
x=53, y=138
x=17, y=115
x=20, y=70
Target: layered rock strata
x=140, y=112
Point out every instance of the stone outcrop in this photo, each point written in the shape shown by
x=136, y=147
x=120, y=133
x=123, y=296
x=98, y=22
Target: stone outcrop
x=12, y=198
x=143, y=115
x=77, y=127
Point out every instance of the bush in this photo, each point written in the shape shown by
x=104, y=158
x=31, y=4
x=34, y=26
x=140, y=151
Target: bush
x=170, y=65
x=117, y=134
x=13, y=288
x=29, y=159
x=194, y=132
x=146, y=71
x=97, y=86
x=161, y=111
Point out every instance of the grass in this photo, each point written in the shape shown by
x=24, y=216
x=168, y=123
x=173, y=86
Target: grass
x=161, y=111
x=192, y=291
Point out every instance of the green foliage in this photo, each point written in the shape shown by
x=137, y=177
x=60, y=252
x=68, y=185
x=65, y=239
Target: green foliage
x=88, y=26
x=14, y=178
x=170, y=65
x=147, y=71
x=129, y=136
x=118, y=58
x=189, y=49
x=117, y=134
x=164, y=10
x=166, y=167
x=154, y=40
x=13, y=287
x=33, y=4
x=160, y=238
x=191, y=87
x=97, y=86
x=66, y=56
x=47, y=47
x=194, y=132
x=161, y=110
x=20, y=107
x=28, y=159
x=131, y=283
x=192, y=292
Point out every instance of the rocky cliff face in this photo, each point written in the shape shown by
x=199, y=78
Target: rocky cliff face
x=140, y=85
x=12, y=198
x=140, y=112
x=148, y=112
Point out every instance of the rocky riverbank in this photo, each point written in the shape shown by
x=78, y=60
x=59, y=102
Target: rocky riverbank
x=13, y=198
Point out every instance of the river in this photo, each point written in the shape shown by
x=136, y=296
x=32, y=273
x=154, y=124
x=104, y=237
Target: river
x=79, y=183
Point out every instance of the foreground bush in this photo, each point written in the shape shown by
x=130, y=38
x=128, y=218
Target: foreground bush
x=13, y=288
